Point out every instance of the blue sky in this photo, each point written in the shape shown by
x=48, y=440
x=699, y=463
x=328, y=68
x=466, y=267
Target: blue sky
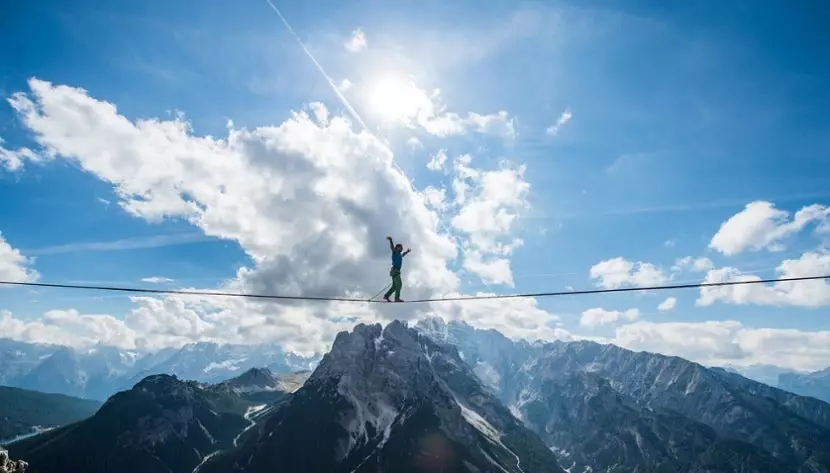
x=679, y=117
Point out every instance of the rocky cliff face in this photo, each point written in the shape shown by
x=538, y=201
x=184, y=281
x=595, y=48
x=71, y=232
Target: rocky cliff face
x=389, y=400
x=162, y=424
x=607, y=408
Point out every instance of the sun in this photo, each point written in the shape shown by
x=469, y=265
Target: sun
x=397, y=99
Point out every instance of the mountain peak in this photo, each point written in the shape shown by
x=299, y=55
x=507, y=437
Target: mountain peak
x=377, y=401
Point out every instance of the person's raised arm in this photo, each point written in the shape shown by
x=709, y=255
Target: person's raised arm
x=406, y=252
x=391, y=244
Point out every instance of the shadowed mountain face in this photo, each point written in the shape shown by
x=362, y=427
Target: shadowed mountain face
x=607, y=408
x=24, y=412
x=162, y=424
x=388, y=400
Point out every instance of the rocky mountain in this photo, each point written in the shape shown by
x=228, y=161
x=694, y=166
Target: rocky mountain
x=815, y=384
x=101, y=371
x=60, y=372
x=162, y=424
x=212, y=362
x=261, y=386
x=450, y=398
x=388, y=400
x=610, y=409
x=23, y=412
x=19, y=358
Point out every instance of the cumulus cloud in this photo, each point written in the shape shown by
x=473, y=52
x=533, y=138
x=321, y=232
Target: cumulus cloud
x=438, y=161
x=667, y=304
x=600, y=316
x=13, y=160
x=517, y=318
x=489, y=203
x=356, y=42
x=720, y=342
x=809, y=293
x=70, y=328
x=618, y=272
x=553, y=130
x=760, y=226
x=690, y=263
x=14, y=266
x=435, y=198
x=696, y=341
x=310, y=201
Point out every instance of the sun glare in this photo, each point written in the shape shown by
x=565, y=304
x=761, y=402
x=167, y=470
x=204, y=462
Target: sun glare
x=397, y=99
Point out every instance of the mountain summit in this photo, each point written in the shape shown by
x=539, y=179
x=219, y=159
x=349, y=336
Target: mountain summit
x=162, y=424
x=389, y=400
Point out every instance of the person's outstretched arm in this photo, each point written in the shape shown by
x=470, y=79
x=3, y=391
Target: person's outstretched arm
x=391, y=244
x=406, y=252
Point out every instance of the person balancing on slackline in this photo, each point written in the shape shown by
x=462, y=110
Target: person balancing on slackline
x=395, y=272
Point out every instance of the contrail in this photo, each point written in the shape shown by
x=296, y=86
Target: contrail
x=352, y=111
x=336, y=90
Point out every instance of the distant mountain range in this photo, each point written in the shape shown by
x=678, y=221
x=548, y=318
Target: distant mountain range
x=449, y=398
x=815, y=384
x=102, y=371
x=99, y=372
x=24, y=412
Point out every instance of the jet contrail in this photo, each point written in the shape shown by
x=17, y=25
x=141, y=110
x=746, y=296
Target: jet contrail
x=334, y=87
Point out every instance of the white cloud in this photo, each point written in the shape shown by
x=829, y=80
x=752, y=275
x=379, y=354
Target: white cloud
x=618, y=272
x=492, y=269
x=438, y=161
x=414, y=143
x=345, y=85
x=310, y=201
x=401, y=102
x=13, y=160
x=600, y=316
x=498, y=123
x=809, y=293
x=489, y=203
x=667, y=304
x=670, y=243
x=356, y=42
x=14, y=267
x=515, y=318
x=68, y=327
x=720, y=342
x=553, y=130
x=157, y=280
x=760, y=226
x=435, y=198
x=690, y=263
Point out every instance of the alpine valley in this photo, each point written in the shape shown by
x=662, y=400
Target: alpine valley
x=433, y=397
